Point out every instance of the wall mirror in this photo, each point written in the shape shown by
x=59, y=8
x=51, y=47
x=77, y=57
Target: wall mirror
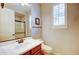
x=14, y=21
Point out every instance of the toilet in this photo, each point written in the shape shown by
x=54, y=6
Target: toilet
x=47, y=50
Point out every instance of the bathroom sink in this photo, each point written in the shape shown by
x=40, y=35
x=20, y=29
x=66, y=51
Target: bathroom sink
x=19, y=48
x=26, y=43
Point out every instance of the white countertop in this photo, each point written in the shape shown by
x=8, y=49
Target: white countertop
x=16, y=49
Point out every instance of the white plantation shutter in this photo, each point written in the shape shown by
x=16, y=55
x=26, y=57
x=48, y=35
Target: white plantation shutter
x=59, y=14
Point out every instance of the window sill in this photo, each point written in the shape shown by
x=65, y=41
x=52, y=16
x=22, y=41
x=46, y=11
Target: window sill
x=59, y=27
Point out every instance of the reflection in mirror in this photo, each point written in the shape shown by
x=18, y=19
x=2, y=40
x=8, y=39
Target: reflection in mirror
x=20, y=29
x=9, y=28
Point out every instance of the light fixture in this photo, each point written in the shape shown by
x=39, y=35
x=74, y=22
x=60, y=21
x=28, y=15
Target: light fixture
x=23, y=4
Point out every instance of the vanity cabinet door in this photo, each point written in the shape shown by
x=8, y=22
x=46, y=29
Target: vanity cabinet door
x=38, y=53
x=37, y=50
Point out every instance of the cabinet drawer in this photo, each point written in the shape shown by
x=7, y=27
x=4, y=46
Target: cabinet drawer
x=34, y=50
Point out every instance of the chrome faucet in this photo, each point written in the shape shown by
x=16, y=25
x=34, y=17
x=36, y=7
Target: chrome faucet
x=21, y=40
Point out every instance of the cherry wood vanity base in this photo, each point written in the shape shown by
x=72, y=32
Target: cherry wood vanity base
x=35, y=51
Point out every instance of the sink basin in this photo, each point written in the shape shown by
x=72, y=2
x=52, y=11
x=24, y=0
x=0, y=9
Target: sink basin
x=26, y=43
x=18, y=46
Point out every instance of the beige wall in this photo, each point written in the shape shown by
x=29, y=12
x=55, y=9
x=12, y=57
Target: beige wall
x=64, y=41
x=35, y=12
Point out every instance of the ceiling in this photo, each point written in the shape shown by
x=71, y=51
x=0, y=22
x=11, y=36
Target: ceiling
x=23, y=9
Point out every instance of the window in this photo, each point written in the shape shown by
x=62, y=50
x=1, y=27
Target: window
x=59, y=15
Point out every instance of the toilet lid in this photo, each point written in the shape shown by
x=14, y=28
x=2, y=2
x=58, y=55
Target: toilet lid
x=46, y=47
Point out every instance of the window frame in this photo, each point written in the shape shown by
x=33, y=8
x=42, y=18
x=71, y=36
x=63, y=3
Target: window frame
x=60, y=26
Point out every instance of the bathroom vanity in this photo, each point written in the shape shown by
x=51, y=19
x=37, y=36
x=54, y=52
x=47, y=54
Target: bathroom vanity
x=35, y=51
x=28, y=47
